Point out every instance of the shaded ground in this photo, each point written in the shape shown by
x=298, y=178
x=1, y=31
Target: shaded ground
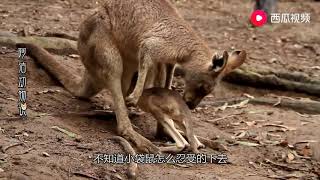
x=224, y=24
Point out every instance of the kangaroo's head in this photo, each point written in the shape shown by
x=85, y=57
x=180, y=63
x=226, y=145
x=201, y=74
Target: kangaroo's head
x=198, y=85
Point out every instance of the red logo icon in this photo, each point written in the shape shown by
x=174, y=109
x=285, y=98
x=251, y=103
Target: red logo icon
x=258, y=18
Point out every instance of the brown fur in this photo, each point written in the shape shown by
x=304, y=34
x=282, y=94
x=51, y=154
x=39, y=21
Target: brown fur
x=169, y=109
x=126, y=36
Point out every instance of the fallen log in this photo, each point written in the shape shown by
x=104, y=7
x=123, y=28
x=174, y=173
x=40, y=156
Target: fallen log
x=52, y=44
x=301, y=106
x=296, y=82
x=270, y=79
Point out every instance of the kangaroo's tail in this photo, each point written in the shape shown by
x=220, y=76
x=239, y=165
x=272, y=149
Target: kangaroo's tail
x=53, y=67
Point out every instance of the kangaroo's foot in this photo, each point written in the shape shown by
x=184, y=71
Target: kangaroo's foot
x=142, y=144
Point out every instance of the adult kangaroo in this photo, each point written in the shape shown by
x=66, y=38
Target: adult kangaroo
x=128, y=36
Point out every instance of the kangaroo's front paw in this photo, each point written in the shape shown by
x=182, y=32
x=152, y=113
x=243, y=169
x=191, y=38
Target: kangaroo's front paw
x=132, y=100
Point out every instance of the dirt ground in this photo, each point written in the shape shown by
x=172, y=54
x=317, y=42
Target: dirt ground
x=40, y=152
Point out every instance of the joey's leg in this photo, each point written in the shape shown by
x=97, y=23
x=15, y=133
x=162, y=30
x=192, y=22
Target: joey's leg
x=195, y=144
x=127, y=81
x=185, y=126
x=112, y=74
x=160, y=132
x=161, y=75
x=169, y=127
x=151, y=77
x=164, y=79
x=169, y=77
x=145, y=63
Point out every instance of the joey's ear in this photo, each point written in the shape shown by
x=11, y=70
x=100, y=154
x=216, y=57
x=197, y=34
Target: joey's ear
x=219, y=62
x=236, y=59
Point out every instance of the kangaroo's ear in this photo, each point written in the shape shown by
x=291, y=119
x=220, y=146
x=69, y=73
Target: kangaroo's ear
x=219, y=62
x=236, y=59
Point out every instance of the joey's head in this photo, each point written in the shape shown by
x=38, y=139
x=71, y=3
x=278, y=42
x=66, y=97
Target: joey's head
x=200, y=84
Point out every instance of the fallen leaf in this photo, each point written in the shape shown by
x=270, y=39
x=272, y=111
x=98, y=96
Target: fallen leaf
x=74, y=56
x=305, y=142
x=273, y=135
x=250, y=144
x=290, y=157
x=47, y=91
x=278, y=122
x=284, y=143
x=298, y=156
x=278, y=102
x=248, y=96
x=315, y=67
x=45, y=154
x=251, y=123
x=304, y=115
x=222, y=108
x=70, y=134
x=283, y=166
x=11, y=99
x=281, y=126
x=288, y=176
x=117, y=176
x=240, y=105
x=241, y=134
x=183, y=165
x=236, y=124
x=274, y=143
x=306, y=151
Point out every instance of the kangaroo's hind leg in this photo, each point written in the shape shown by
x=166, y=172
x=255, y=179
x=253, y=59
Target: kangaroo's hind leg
x=107, y=54
x=87, y=87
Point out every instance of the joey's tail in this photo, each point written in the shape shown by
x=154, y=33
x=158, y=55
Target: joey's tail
x=45, y=59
